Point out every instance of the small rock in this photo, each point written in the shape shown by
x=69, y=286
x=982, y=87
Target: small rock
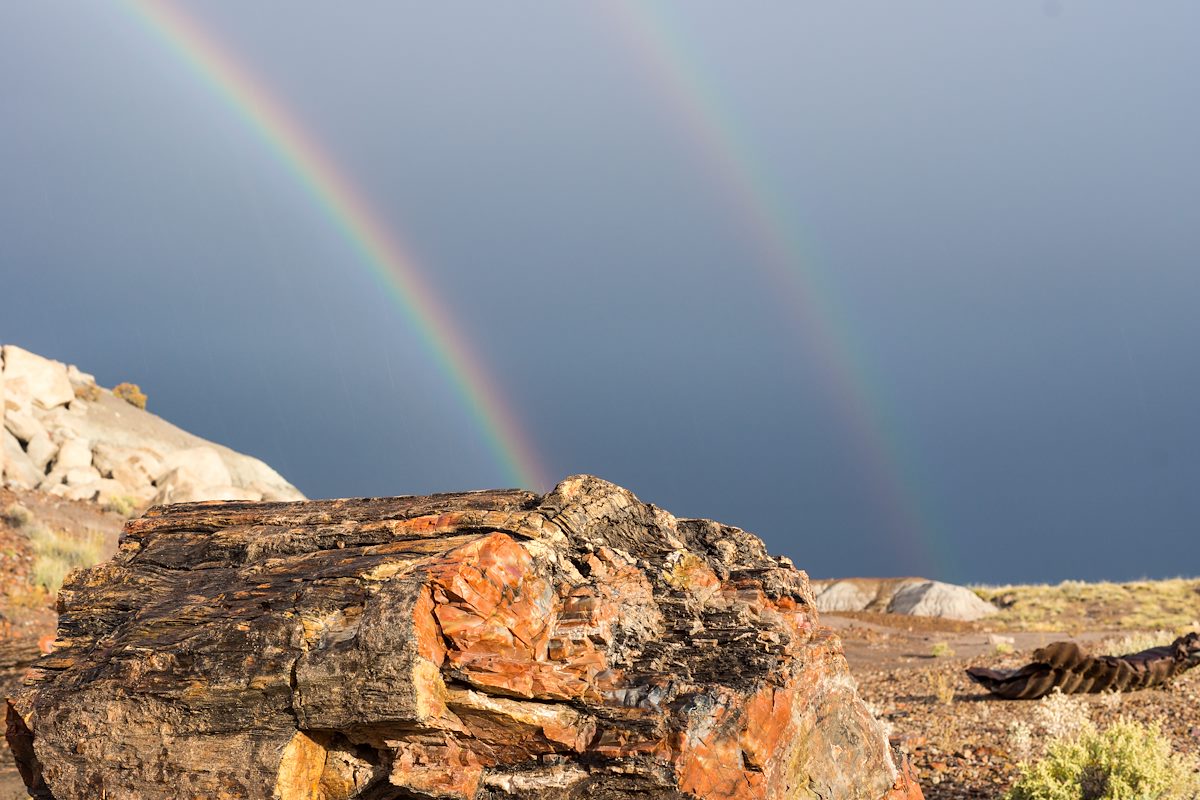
x=134, y=467
x=41, y=452
x=18, y=468
x=81, y=476
x=74, y=454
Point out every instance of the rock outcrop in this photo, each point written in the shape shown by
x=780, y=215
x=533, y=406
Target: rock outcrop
x=1066, y=667
x=65, y=435
x=916, y=597
x=937, y=599
x=486, y=645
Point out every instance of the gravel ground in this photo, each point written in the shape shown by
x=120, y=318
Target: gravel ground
x=959, y=738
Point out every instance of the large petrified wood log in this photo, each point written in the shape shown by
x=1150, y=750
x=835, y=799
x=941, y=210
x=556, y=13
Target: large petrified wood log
x=1064, y=666
x=483, y=645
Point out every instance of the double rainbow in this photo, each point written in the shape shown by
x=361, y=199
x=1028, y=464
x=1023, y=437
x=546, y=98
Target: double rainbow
x=731, y=163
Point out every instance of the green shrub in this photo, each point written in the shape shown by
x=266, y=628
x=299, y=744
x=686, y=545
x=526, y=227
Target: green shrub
x=131, y=393
x=57, y=553
x=941, y=650
x=1127, y=761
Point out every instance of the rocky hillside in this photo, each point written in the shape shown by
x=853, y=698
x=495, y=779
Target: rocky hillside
x=65, y=435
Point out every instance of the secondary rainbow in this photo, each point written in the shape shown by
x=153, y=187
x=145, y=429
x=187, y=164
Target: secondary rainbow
x=765, y=219
x=347, y=209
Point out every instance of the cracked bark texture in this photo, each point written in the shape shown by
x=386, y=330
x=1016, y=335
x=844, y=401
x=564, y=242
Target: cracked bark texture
x=478, y=646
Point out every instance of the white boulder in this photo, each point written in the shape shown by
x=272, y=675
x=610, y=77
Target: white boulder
x=203, y=466
x=21, y=423
x=101, y=491
x=44, y=381
x=133, y=466
x=844, y=596
x=18, y=469
x=78, y=378
x=41, y=451
x=937, y=599
x=74, y=454
x=81, y=476
x=180, y=485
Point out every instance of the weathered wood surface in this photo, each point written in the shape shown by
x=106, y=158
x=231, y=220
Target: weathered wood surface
x=1066, y=667
x=485, y=645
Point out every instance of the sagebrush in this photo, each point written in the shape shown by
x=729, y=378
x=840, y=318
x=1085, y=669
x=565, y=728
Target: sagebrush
x=1127, y=761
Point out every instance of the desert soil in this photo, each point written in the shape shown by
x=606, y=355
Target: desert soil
x=957, y=736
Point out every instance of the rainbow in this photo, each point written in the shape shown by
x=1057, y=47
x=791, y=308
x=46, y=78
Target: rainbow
x=768, y=225
x=350, y=212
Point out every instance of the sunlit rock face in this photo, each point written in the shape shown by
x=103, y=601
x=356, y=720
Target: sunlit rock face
x=63, y=434
x=481, y=645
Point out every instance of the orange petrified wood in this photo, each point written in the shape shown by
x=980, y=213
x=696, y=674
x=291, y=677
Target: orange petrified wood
x=467, y=647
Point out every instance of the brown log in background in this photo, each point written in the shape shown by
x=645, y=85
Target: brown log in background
x=1066, y=667
x=483, y=645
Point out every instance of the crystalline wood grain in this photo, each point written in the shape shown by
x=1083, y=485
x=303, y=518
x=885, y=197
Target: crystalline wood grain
x=483, y=645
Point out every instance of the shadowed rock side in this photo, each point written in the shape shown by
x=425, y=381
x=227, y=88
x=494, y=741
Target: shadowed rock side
x=485, y=645
x=1064, y=666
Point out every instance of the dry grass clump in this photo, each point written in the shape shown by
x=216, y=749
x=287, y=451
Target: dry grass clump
x=57, y=553
x=1136, y=605
x=1137, y=642
x=88, y=391
x=17, y=515
x=131, y=393
x=122, y=504
x=1127, y=761
x=941, y=686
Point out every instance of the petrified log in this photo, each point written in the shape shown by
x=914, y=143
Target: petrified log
x=482, y=645
x=1066, y=667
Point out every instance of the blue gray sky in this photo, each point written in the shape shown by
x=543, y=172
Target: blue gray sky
x=1000, y=203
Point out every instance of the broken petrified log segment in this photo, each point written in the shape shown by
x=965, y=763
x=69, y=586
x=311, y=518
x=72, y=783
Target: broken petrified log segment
x=485, y=645
x=1064, y=666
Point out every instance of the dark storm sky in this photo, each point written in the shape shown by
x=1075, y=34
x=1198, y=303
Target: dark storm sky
x=1001, y=201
